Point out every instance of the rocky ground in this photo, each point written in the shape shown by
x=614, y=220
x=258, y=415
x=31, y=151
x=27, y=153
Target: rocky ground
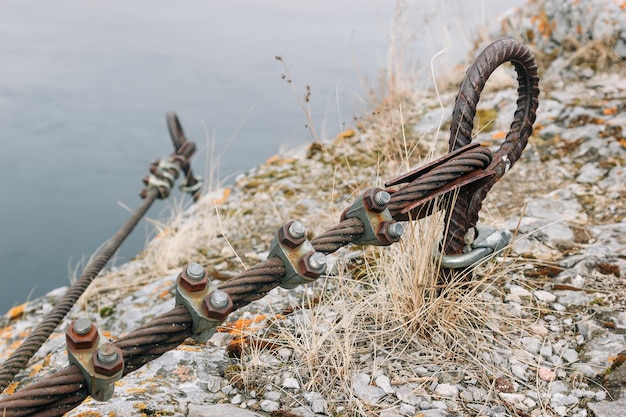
x=541, y=334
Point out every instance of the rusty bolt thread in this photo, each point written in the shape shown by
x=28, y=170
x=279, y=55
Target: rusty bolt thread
x=297, y=230
x=374, y=199
x=285, y=238
x=312, y=265
x=388, y=234
x=107, y=359
x=192, y=284
x=78, y=341
x=216, y=313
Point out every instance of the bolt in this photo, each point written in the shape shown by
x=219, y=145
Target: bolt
x=395, y=230
x=219, y=299
x=217, y=305
x=107, y=359
x=376, y=200
x=382, y=198
x=317, y=261
x=107, y=353
x=291, y=234
x=296, y=230
x=82, y=326
x=195, y=271
x=193, y=278
x=81, y=334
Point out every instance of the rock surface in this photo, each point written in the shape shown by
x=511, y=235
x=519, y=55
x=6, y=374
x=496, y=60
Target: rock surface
x=554, y=344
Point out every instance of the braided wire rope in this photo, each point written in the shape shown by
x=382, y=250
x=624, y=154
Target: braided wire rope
x=58, y=393
x=20, y=357
x=65, y=389
x=464, y=214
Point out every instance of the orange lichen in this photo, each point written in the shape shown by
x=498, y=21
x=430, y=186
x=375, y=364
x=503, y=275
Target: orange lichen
x=133, y=391
x=89, y=414
x=11, y=388
x=346, y=134
x=501, y=134
x=223, y=198
x=16, y=312
x=609, y=111
x=36, y=368
x=164, y=293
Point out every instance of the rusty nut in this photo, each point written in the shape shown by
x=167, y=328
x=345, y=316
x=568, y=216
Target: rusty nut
x=312, y=265
x=81, y=334
x=217, y=305
x=376, y=200
x=389, y=232
x=290, y=236
x=107, y=359
x=193, y=277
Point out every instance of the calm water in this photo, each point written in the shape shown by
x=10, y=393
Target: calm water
x=84, y=86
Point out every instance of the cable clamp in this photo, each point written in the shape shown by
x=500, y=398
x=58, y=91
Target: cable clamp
x=380, y=228
x=208, y=307
x=100, y=361
x=302, y=263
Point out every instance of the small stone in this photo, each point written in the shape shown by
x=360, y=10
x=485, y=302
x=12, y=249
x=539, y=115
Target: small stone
x=512, y=398
x=538, y=329
x=316, y=401
x=545, y=296
x=570, y=355
x=546, y=374
x=383, y=382
x=407, y=409
x=531, y=344
x=519, y=370
x=559, y=399
x=236, y=399
x=272, y=395
x=269, y=406
x=291, y=383
x=405, y=394
x=447, y=390
x=363, y=390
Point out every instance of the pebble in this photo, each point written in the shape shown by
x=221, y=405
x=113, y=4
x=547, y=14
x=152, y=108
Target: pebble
x=447, y=390
x=291, y=383
x=546, y=374
x=383, y=382
x=269, y=406
x=316, y=401
x=366, y=392
x=545, y=296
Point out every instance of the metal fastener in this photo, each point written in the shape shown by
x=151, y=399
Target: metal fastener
x=107, y=353
x=195, y=271
x=395, y=230
x=317, y=261
x=219, y=299
x=297, y=230
x=382, y=198
x=82, y=326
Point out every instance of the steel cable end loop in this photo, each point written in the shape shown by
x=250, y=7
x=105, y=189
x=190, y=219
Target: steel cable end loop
x=302, y=263
x=208, y=307
x=371, y=208
x=100, y=362
x=163, y=174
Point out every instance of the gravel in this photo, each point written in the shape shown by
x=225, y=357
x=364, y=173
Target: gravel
x=563, y=295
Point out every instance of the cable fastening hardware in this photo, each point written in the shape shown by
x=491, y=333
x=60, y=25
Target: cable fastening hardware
x=208, y=307
x=100, y=362
x=302, y=263
x=371, y=208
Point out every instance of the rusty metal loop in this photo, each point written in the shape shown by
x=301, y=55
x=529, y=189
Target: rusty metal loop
x=464, y=213
x=191, y=182
x=20, y=357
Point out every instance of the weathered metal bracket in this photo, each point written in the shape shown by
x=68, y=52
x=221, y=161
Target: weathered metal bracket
x=302, y=263
x=371, y=208
x=483, y=241
x=208, y=307
x=100, y=362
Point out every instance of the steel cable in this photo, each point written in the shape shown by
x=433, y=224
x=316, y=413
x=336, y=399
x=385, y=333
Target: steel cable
x=169, y=330
x=20, y=357
x=464, y=213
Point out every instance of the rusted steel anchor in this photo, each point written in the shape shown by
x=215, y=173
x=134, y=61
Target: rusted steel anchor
x=191, y=184
x=471, y=188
